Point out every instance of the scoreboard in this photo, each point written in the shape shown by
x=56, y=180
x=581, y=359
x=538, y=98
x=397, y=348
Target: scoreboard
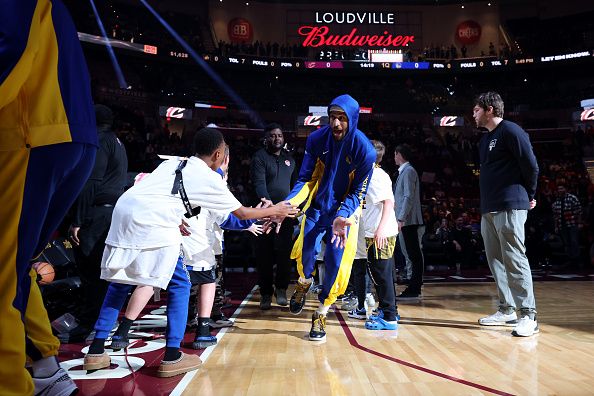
x=474, y=64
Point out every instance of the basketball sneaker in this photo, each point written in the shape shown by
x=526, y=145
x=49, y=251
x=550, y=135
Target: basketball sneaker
x=219, y=321
x=298, y=298
x=499, y=319
x=201, y=342
x=318, y=327
x=119, y=342
x=358, y=313
x=526, y=327
x=58, y=384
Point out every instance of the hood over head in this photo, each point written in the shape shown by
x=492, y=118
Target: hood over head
x=350, y=107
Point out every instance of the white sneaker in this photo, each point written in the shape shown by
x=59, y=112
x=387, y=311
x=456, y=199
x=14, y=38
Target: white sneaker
x=349, y=305
x=499, y=319
x=59, y=384
x=526, y=327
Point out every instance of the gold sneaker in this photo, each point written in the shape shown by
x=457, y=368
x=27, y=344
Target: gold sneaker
x=298, y=298
x=318, y=327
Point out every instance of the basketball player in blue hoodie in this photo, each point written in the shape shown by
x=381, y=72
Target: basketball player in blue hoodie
x=336, y=169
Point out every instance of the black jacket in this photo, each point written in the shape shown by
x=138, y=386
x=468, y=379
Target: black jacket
x=92, y=209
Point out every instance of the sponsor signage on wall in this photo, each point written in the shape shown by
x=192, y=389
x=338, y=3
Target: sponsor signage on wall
x=587, y=115
x=240, y=30
x=468, y=32
x=322, y=35
x=323, y=110
x=175, y=112
x=448, y=121
x=312, y=120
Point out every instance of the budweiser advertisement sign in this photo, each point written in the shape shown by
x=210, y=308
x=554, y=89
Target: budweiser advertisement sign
x=321, y=36
x=240, y=31
x=468, y=32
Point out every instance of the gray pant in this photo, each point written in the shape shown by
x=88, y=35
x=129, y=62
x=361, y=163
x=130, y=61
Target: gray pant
x=408, y=265
x=503, y=234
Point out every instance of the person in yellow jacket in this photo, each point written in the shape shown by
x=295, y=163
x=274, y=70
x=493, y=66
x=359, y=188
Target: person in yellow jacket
x=48, y=142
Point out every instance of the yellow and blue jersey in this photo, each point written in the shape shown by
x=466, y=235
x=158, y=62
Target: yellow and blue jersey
x=45, y=94
x=334, y=174
x=333, y=182
x=48, y=141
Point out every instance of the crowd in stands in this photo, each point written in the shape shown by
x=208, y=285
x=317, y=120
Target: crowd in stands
x=447, y=163
x=259, y=48
x=135, y=24
x=130, y=22
x=444, y=51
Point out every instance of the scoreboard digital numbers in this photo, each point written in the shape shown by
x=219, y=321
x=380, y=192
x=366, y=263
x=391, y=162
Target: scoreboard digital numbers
x=442, y=66
x=324, y=65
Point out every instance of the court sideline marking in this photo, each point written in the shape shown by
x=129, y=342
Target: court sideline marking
x=183, y=384
x=353, y=341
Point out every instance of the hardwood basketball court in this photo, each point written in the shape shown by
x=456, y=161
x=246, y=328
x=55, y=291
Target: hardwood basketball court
x=438, y=349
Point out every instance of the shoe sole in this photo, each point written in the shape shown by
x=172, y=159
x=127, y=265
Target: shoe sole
x=380, y=329
x=360, y=317
x=317, y=339
x=116, y=346
x=202, y=344
x=167, y=374
x=536, y=331
x=96, y=366
x=511, y=323
x=220, y=326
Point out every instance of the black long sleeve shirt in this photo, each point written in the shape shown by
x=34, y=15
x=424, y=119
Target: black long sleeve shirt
x=273, y=175
x=509, y=170
x=108, y=177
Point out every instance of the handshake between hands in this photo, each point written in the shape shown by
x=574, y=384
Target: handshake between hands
x=283, y=210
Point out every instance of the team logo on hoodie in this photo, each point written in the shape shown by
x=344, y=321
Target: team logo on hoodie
x=492, y=144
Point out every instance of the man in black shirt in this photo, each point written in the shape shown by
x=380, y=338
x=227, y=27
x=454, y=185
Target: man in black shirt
x=273, y=172
x=509, y=172
x=92, y=217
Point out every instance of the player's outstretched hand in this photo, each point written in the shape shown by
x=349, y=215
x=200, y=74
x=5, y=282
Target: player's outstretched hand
x=255, y=229
x=339, y=231
x=264, y=203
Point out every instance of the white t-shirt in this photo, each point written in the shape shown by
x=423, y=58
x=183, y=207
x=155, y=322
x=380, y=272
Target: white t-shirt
x=218, y=237
x=148, y=215
x=200, y=246
x=379, y=190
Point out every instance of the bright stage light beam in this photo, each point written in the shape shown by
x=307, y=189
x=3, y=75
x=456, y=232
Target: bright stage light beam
x=114, y=60
x=211, y=73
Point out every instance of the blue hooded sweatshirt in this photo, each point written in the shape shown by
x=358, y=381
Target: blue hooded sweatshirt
x=334, y=174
